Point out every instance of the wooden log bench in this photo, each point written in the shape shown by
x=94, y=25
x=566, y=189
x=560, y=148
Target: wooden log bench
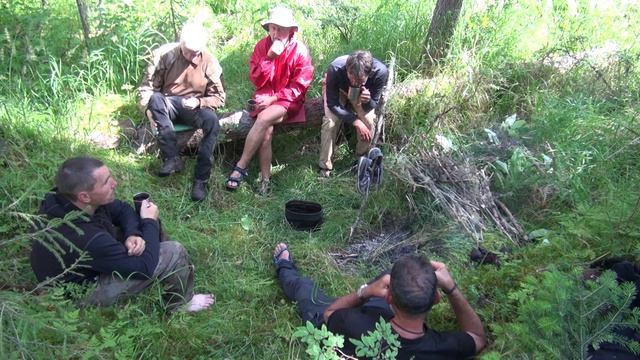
x=233, y=126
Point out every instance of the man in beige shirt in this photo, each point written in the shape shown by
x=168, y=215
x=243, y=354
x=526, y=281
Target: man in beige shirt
x=184, y=84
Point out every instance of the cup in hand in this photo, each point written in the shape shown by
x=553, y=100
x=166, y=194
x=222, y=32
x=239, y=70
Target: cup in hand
x=277, y=47
x=138, y=199
x=354, y=94
x=251, y=105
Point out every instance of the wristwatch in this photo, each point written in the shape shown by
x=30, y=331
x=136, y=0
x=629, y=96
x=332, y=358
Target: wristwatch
x=359, y=292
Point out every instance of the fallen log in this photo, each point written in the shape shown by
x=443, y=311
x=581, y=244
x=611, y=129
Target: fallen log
x=233, y=126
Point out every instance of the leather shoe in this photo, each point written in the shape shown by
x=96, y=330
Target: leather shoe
x=170, y=166
x=199, y=190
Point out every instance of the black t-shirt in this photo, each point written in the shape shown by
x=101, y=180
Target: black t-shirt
x=445, y=345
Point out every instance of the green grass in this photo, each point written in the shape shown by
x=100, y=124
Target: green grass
x=53, y=95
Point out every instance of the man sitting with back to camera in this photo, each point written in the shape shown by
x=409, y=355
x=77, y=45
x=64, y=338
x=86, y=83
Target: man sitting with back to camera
x=402, y=297
x=183, y=83
x=353, y=87
x=108, y=243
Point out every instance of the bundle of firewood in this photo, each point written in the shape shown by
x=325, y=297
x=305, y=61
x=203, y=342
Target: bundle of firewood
x=463, y=192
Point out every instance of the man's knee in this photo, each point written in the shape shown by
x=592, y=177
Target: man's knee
x=173, y=247
x=370, y=119
x=210, y=123
x=328, y=124
x=176, y=251
x=156, y=102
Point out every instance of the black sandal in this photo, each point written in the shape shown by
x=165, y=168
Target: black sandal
x=237, y=180
x=276, y=257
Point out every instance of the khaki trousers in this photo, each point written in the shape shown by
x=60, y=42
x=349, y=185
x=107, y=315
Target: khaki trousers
x=174, y=272
x=331, y=125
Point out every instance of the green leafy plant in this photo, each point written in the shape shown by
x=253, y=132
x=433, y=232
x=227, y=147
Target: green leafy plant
x=321, y=343
x=380, y=343
x=570, y=316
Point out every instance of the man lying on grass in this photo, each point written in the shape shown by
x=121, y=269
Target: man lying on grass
x=403, y=298
x=89, y=249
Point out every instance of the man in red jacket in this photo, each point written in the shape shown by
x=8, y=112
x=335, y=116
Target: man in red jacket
x=102, y=240
x=281, y=70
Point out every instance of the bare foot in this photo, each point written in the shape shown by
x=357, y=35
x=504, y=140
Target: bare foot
x=200, y=302
x=281, y=252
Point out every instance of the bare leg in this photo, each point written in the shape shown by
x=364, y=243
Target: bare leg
x=265, y=154
x=269, y=117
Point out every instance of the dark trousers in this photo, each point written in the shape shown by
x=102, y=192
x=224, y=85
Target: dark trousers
x=167, y=109
x=310, y=300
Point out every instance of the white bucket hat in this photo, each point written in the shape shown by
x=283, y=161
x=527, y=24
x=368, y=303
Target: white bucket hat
x=280, y=16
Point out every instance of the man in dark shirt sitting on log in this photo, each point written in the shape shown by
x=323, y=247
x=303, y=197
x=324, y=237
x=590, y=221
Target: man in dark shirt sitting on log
x=352, y=89
x=87, y=247
x=402, y=298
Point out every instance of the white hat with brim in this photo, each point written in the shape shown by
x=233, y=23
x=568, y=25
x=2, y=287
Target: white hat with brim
x=280, y=16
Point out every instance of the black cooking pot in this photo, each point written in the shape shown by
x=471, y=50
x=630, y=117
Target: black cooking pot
x=303, y=215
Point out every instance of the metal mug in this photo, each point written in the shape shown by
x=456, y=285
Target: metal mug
x=354, y=94
x=251, y=105
x=138, y=199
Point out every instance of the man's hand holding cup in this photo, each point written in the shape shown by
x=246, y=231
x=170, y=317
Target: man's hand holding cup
x=149, y=210
x=145, y=207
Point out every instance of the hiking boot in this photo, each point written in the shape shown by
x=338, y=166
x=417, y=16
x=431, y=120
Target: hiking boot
x=170, y=166
x=199, y=190
x=377, y=168
x=363, y=180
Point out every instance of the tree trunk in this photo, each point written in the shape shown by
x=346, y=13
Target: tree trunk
x=443, y=24
x=173, y=21
x=84, y=20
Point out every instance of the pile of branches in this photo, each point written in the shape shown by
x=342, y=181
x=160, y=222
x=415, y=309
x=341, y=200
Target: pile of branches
x=462, y=191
